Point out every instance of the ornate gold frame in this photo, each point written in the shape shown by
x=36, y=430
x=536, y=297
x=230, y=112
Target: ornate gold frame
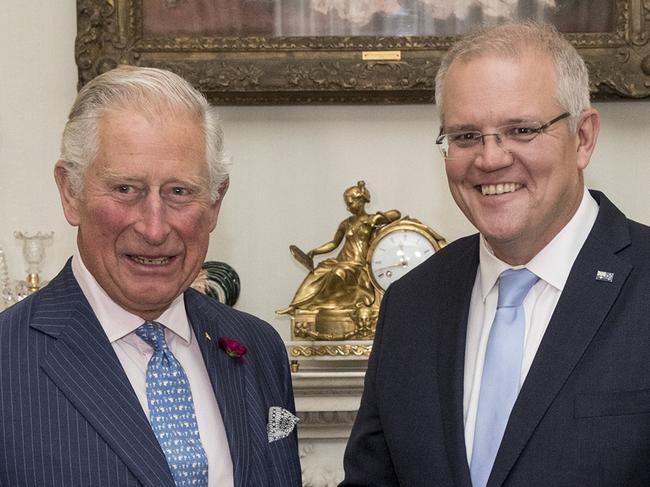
x=277, y=70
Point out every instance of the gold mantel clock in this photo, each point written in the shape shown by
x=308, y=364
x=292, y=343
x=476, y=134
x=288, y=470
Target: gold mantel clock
x=339, y=297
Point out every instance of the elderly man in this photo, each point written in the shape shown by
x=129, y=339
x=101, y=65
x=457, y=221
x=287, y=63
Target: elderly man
x=117, y=374
x=519, y=356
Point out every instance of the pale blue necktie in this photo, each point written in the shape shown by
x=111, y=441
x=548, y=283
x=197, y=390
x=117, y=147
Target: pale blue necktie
x=171, y=411
x=501, y=371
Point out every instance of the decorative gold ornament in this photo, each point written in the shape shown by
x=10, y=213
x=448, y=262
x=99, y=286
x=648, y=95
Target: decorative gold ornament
x=329, y=351
x=340, y=296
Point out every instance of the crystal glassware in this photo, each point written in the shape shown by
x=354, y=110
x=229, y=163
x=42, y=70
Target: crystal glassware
x=5, y=284
x=34, y=254
x=10, y=291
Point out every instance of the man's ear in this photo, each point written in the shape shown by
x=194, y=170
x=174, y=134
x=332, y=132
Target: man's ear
x=588, y=128
x=69, y=199
x=216, y=206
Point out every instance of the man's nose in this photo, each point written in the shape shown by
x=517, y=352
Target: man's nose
x=152, y=222
x=492, y=154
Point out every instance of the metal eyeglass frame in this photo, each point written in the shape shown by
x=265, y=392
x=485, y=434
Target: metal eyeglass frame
x=499, y=136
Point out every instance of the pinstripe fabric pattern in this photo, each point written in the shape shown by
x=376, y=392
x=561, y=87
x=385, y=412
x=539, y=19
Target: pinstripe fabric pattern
x=246, y=391
x=69, y=416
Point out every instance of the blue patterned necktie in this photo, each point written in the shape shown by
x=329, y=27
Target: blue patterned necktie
x=501, y=371
x=171, y=411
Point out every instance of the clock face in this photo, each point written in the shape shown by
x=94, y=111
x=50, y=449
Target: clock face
x=396, y=253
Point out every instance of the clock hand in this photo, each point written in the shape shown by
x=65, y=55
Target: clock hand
x=402, y=263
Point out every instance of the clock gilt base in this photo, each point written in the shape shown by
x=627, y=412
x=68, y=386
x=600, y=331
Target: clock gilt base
x=335, y=324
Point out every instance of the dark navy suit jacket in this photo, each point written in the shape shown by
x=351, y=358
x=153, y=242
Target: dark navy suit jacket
x=582, y=417
x=69, y=416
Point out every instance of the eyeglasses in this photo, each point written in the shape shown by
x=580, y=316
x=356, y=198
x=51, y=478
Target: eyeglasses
x=466, y=144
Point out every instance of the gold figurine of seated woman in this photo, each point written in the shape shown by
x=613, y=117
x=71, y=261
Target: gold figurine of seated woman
x=337, y=296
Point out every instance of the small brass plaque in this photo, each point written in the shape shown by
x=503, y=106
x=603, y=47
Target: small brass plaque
x=381, y=55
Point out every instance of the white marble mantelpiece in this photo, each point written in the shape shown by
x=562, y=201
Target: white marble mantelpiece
x=327, y=392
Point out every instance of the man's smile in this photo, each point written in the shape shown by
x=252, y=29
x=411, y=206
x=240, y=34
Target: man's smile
x=150, y=260
x=499, y=188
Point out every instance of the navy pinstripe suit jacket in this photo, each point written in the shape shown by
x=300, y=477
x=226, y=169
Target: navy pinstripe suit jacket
x=71, y=418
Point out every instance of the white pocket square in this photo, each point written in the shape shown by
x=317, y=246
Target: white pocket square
x=281, y=423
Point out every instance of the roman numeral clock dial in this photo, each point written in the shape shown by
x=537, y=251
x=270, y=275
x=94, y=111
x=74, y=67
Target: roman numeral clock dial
x=398, y=248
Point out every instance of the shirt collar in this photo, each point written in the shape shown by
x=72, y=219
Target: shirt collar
x=553, y=263
x=115, y=320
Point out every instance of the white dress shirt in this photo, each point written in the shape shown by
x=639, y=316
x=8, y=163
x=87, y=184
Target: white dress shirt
x=552, y=265
x=134, y=354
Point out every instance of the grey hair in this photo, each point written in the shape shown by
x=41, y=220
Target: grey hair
x=151, y=91
x=511, y=40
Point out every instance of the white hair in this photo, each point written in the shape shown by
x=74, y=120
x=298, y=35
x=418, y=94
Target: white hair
x=152, y=92
x=512, y=40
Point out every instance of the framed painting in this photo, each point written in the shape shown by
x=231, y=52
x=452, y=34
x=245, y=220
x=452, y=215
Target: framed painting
x=343, y=51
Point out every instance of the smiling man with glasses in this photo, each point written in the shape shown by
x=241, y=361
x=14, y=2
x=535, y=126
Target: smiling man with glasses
x=519, y=356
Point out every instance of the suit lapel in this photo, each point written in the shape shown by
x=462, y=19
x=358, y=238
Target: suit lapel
x=82, y=364
x=581, y=310
x=460, y=276
x=228, y=378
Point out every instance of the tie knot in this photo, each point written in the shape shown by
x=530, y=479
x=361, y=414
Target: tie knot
x=514, y=285
x=153, y=333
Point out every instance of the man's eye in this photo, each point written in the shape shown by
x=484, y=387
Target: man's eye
x=178, y=191
x=124, y=189
x=464, y=139
x=521, y=131
x=469, y=136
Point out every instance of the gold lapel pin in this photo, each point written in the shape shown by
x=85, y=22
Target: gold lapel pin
x=207, y=335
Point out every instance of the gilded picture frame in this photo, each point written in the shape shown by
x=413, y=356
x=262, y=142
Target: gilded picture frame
x=302, y=69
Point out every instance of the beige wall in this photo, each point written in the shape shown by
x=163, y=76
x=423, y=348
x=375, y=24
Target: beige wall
x=291, y=164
